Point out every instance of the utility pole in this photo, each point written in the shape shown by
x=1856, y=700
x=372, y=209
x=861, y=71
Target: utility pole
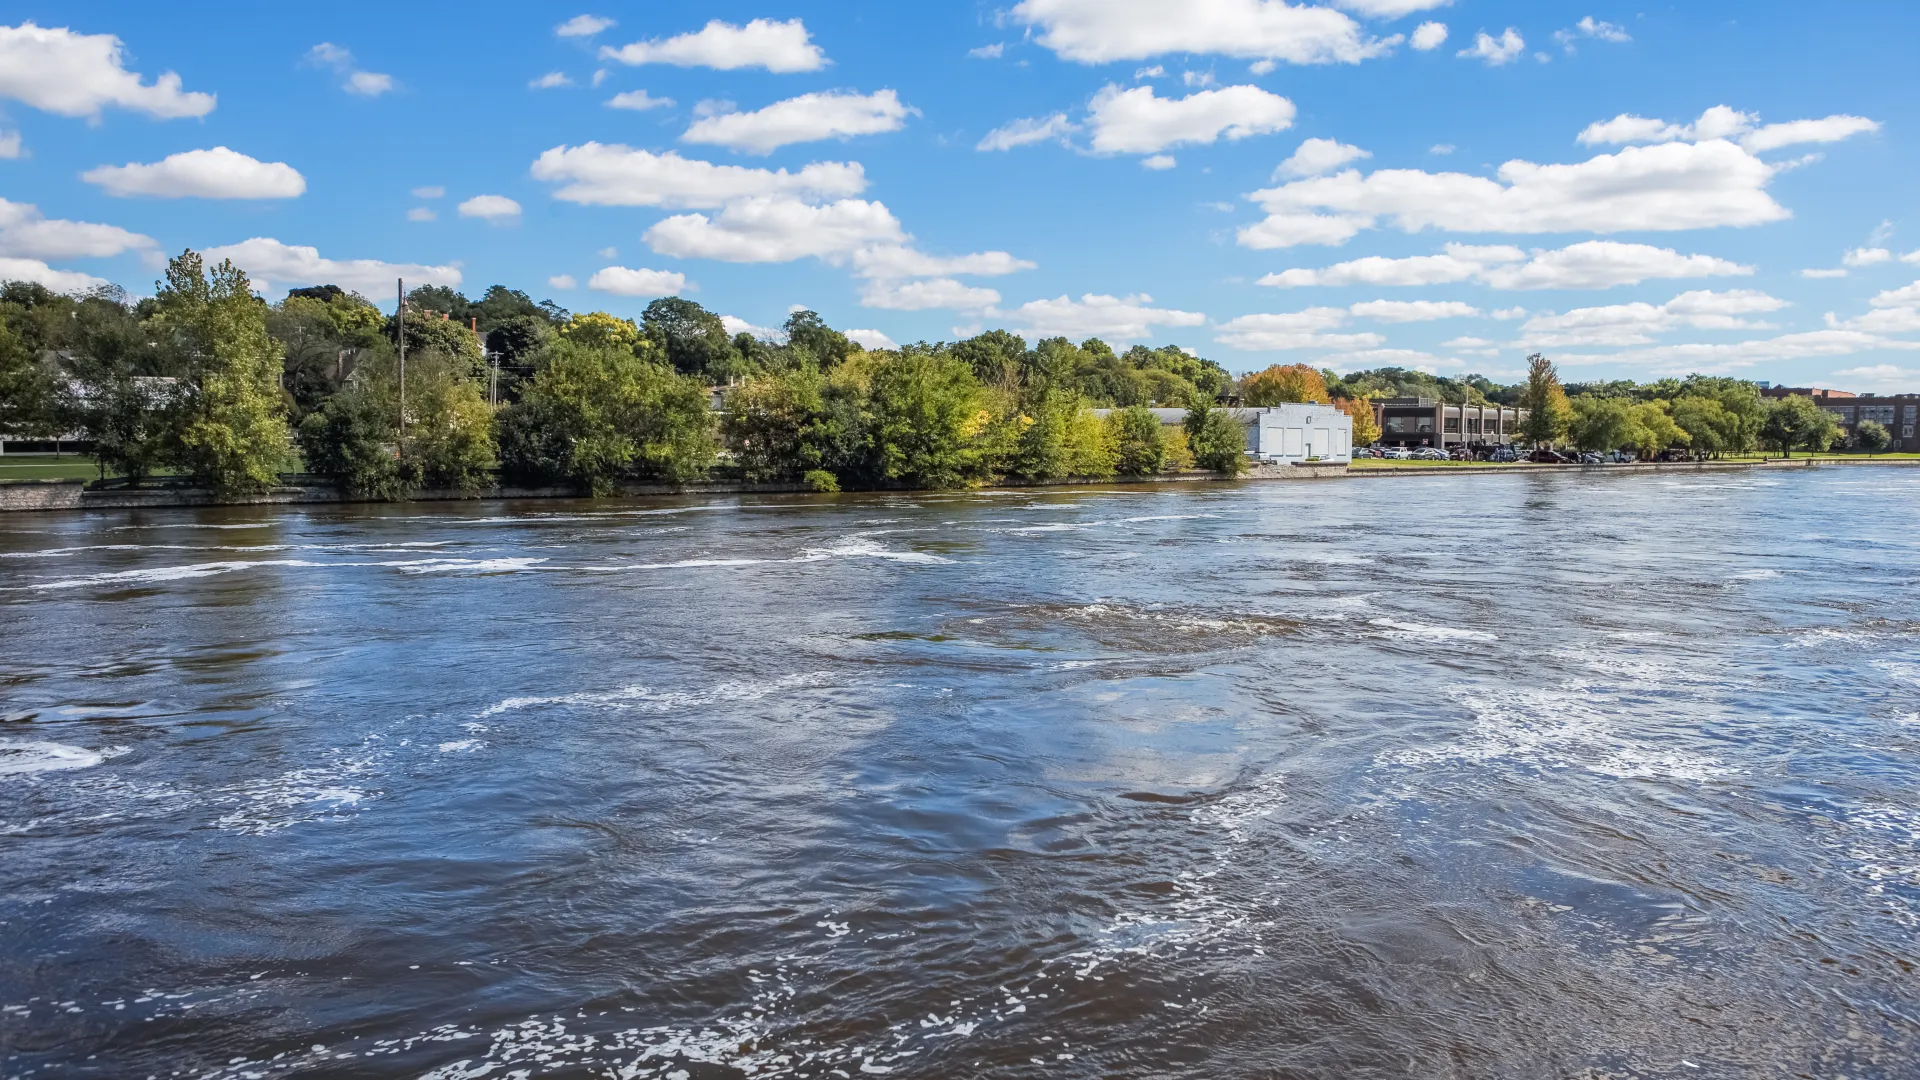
x=400, y=320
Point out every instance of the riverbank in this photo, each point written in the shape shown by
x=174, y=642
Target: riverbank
x=30, y=496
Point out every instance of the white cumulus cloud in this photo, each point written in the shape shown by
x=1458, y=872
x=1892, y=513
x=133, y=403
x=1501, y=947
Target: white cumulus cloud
x=582, y=26
x=871, y=339
x=1389, y=9
x=1137, y=121
x=1592, y=264
x=1667, y=187
x=58, y=71
x=638, y=101
x=275, y=266
x=1724, y=122
x=1495, y=50
x=552, y=80
x=1099, y=31
x=1429, y=36
x=1316, y=157
x=1025, y=132
x=1866, y=257
x=352, y=80
x=60, y=281
x=622, y=281
x=562, y=281
x=781, y=47
x=807, y=118
x=1309, y=329
x=1117, y=318
x=613, y=175
x=898, y=261
x=926, y=295
x=776, y=229
x=1406, y=311
x=496, y=209
x=26, y=233
x=218, y=173
x=1640, y=323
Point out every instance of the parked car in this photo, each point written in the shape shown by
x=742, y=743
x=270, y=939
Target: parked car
x=1396, y=453
x=1589, y=457
x=1430, y=453
x=1506, y=455
x=1461, y=453
x=1621, y=457
x=1549, y=457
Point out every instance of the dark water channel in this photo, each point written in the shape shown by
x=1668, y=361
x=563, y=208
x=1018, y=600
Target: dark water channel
x=1429, y=777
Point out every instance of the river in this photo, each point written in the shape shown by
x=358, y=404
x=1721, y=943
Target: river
x=1511, y=776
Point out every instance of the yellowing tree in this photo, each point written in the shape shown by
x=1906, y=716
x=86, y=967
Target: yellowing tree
x=1283, y=383
x=1549, y=414
x=1366, y=426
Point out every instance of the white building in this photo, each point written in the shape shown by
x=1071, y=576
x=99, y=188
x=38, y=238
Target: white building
x=1284, y=433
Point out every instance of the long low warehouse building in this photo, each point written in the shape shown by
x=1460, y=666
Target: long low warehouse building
x=1283, y=433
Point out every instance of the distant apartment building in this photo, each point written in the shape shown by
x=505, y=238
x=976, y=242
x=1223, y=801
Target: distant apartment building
x=1898, y=413
x=1418, y=421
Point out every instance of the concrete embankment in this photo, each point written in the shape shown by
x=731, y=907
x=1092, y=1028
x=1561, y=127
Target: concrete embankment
x=1525, y=468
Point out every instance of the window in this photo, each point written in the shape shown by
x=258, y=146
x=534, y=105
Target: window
x=1473, y=427
x=1843, y=412
x=1397, y=425
x=1910, y=411
x=1879, y=414
x=1906, y=431
x=1453, y=425
x=1425, y=426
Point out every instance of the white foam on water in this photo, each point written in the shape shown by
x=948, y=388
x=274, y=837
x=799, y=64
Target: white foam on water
x=1573, y=726
x=1755, y=575
x=504, y=565
x=1882, y=842
x=857, y=548
x=23, y=757
x=1414, y=631
x=647, y=700
x=1900, y=671
x=156, y=574
x=199, y=525
x=461, y=746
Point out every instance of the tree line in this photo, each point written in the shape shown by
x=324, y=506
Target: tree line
x=208, y=382
x=1705, y=416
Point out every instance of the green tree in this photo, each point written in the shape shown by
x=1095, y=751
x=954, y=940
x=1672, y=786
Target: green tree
x=1601, y=423
x=1651, y=428
x=595, y=414
x=1217, y=441
x=1549, y=415
x=693, y=339
x=352, y=440
x=28, y=390
x=1089, y=446
x=825, y=345
x=1794, y=422
x=927, y=415
x=1139, y=446
x=997, y=358
x=1711, y=429
x=773, y=424
x=1872, y=436
x=233, y=437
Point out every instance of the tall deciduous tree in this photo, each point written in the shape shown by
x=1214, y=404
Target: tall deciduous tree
x=1218, y=443
x=1139, y=444
x=1872, y=436
x=1285, y=383
x=1366, y=425
x=1795, y=422
x=234, y=436
x=595, y=414
x=1549, y=415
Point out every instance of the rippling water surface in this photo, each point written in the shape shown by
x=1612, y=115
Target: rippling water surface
x=1441, y=777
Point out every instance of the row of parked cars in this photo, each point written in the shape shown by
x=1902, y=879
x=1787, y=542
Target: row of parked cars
x=1503, y=454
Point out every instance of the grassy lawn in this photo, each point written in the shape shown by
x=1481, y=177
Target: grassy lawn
x=47, y=467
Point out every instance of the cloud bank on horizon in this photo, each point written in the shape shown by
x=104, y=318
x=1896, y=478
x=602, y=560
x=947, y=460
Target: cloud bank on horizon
x=1257, y=179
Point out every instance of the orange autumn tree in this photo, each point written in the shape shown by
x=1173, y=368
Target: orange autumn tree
x=1366, y=427
x=1284, y=383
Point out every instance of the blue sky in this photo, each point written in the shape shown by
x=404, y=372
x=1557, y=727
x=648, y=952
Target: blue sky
x=1635, y=191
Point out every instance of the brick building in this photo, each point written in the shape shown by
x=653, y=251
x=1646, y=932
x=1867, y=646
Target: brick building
x=1898, y=413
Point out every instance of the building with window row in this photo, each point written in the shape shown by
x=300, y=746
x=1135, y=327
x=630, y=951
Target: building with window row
x=1898, y=413
x=1414, y=421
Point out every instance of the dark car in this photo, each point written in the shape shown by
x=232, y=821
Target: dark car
x=1549, y=457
